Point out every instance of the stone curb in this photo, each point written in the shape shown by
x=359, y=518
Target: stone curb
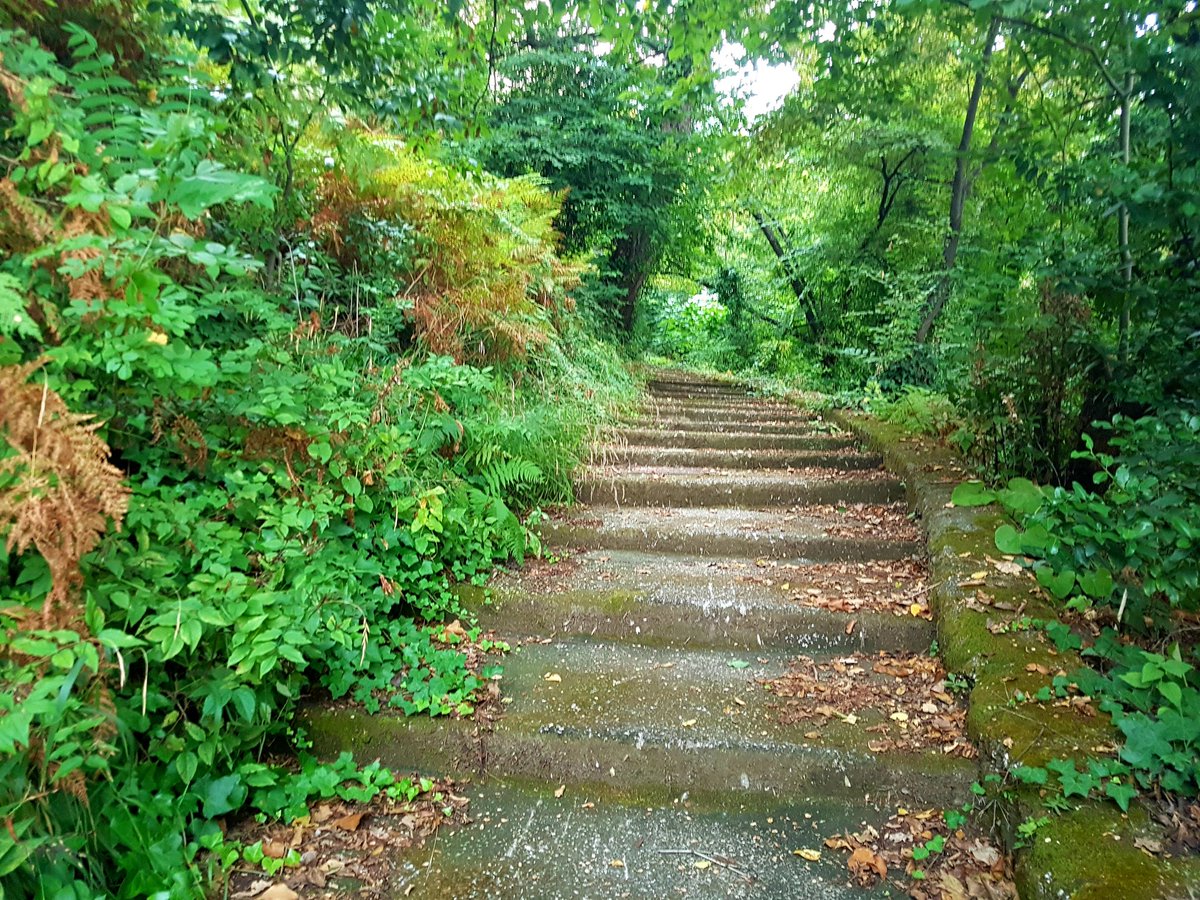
x=1085, y=854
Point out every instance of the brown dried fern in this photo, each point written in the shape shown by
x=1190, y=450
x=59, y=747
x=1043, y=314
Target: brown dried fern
x=63, y=489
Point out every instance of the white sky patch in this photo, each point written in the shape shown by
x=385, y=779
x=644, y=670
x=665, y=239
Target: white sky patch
x=763, y=85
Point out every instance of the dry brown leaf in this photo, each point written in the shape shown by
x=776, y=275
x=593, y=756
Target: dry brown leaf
x=278, y=892
x=560, y=790
x=866, y=864
x=348, y=823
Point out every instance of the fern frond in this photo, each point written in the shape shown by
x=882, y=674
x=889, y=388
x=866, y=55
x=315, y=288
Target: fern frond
x=59, y=488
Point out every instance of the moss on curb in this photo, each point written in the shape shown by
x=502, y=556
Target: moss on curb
x=1086, y=854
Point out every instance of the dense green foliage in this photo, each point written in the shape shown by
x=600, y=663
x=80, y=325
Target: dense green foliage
x=297, y=314
x=309, y=451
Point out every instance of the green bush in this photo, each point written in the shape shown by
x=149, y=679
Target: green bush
x=305, y=484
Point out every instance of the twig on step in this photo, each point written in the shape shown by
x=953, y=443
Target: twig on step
x=711, y=859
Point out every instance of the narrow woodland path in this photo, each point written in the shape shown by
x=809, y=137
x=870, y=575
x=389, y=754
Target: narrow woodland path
x=727, y=664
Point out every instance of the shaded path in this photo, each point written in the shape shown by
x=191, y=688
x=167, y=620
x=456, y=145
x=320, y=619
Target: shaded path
x=723, y=536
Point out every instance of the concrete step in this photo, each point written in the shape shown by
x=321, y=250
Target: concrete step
x=722, y=532
x=704, y=602
x=739, y=413
x=692, y=391
x=731, y=440
x=720, y=426
x=680, y=487
x=702, y=457
x=592, y=713
x=526, y=843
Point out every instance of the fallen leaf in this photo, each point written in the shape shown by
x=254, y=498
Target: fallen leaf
x=850, y=626
x=453, y=633
x=1004, y=567
x=916, y=609
x=1149, y=846
x=738, y=664
x=278, y=892
x=865, y=863
x=899, y=716
x=562, y=789
x=688, y=723
x=348, y=823
x=810, y=855
x=552, y=677
x=617, y=863
x=274, y=849
x=985, y=854
x=701, y=864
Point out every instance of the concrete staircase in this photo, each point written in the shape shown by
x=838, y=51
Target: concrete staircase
x=635, y=721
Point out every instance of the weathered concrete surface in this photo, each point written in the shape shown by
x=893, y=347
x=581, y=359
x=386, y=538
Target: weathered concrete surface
x=526, y=843
x=686, y=601
x=1087, y=853
x=719, y=424
x=707, y=457
x=635, y=682
x=641, y=717
x=678, y=487
x=713, y=531
x=732, y=440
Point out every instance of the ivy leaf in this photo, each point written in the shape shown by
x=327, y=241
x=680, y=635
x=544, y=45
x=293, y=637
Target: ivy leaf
x=1120, y=794
x=222, y=795
x=1057, y=583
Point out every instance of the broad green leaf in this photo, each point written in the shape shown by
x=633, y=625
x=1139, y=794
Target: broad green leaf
x=1008, y=540
x=972, y=493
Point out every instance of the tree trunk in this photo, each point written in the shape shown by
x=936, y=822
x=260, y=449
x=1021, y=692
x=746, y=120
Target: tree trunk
x=1123, y=228
x=958, y=190
x=797, y=284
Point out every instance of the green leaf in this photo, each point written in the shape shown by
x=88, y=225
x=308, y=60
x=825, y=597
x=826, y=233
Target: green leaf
x=972, y=493
x=1120, y=793
x=1097, y=584
x=120, y=216
x=1172, y=692
x=1057, y=583
x=1030, y=774
x=222, y=795
x=738, y=664
x=212, y=184
x=1008, y=540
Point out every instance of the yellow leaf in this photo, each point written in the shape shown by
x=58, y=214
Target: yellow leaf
x=915, y=609
x=562, y=789
x=810, y=855
x=702, y=864
x=552, y=677
x=688, y=723
x=617, y=863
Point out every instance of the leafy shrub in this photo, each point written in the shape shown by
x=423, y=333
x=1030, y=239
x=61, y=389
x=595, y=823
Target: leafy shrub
x=299, y=487
x=1031, y=388
x=1130, y=544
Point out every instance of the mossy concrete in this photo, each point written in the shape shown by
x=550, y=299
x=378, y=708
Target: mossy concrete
x=701, y=457
x=732, y=440
x=587, y=712
x=1085, y=854
x=723, y=531
x=706, y=488
x=684, y=601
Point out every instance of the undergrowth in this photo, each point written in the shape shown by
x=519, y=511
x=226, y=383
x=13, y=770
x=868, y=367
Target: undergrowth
x=227, y=485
